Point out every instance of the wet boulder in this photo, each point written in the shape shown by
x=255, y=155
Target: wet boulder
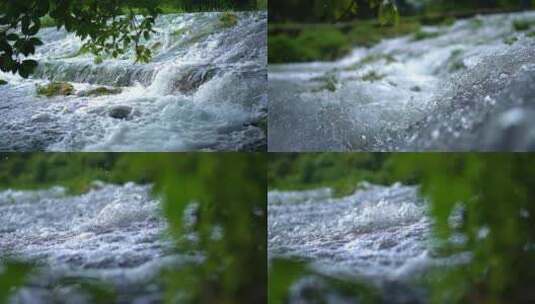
x=191, y=79
x=100, y=91
x=120, y=112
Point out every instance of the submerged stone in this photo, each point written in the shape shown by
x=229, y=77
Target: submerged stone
x=100, y=91
x=120, y=112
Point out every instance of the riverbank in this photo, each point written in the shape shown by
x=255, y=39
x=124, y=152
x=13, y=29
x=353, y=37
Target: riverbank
x=300, y=42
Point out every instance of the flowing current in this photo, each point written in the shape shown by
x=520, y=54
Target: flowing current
x=204, y=89
x=468, y=86
x=380, y=234
x=112, y=234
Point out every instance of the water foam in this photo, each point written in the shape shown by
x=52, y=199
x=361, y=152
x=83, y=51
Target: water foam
x=205, y=89
x=111, y=233
x=404, y=94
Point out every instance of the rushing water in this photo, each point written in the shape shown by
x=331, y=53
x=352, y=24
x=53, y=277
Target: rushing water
x=113, y=234
x=380, y=234
x=204, y=89
x=465, y=89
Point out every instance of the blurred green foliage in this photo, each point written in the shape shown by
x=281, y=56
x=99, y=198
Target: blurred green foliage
x=362, y=23
x=211, y=5
x=340, y=171
x=493, y=193
x=230, y=228
x=313, y=11
x=12, y=276
x=284, y=272
x=483, y=199
x=105, y=27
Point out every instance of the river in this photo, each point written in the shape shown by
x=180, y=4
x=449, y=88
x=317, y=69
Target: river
x=464, y=87
x=113, y=234
x=204, y=89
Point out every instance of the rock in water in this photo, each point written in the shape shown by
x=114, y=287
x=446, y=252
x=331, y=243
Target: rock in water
x=100, y=91
x=56, y=89
x=120, y=112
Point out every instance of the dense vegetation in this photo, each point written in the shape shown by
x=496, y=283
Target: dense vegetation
x=342, y=172
x=494, y=193
x=230, y=188
x=107, y=27
x=302, y=31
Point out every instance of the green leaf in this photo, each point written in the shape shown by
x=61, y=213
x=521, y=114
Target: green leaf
x=27, y=67
x=26, y=47
x=25, y=23
x=12, y=37
x=388, y=14
x=42, y=8
x=36, y=41
x=32, y=30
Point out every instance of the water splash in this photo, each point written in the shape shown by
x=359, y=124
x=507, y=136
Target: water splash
x=113, y=234
x=444, y=93
x=205, y=89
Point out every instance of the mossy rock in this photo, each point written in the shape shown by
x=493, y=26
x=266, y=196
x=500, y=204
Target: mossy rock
x=370, y=59
x=510, y=40
x=228, y=19
x=373, y=77
x=156, y=46
x=456, y=61
x=329, y=82
x=55, y=89
x=521, y=25
x=262, y=124
x=423, y=35
x=3, y=82
x=100, y=91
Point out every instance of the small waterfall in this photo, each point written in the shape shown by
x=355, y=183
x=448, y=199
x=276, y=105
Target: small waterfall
x=175, y=102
